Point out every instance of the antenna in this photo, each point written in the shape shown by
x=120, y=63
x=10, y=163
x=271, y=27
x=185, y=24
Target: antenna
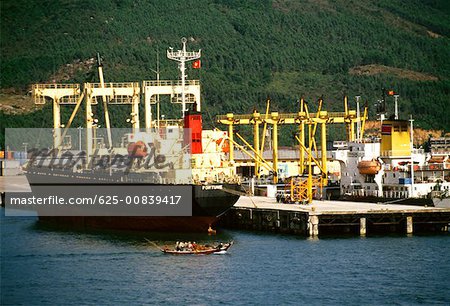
x=381, y=106
x=411, y=135
x=358, y=123
x=396, y=106
x=183, y=56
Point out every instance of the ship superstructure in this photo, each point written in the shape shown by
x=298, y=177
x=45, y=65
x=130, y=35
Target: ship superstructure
x=390, y=169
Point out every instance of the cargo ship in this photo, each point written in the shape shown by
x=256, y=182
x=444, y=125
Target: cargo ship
x=194, y=157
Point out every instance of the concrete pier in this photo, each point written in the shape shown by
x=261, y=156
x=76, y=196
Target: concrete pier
x=335, y=217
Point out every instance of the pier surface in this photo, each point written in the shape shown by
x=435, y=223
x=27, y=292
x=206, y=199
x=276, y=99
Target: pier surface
x=330, y=207
x=335, y=217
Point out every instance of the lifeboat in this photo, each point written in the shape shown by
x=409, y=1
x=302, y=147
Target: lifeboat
x=370, y=167
x=137, y=149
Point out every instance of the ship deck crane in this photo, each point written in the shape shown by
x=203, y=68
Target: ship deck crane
x=182, y=91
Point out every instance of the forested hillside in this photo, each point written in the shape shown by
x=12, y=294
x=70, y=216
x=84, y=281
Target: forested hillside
x=251, y=49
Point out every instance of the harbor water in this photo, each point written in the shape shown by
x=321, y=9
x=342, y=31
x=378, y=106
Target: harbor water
x=46, y=266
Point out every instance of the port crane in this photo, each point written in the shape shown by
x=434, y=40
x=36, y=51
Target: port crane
x=303, y=119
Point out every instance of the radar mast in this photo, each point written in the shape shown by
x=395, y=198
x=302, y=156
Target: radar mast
x=183, y=56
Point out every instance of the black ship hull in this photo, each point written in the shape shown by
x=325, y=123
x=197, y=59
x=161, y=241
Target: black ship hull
x=208, y=204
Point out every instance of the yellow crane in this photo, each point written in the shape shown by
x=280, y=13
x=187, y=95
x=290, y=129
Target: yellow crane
x=302, y=118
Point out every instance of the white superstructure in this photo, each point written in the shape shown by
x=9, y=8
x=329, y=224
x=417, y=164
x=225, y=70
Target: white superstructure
x=369, y=170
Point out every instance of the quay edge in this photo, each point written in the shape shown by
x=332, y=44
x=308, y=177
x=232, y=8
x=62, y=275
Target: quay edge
x=335, y=218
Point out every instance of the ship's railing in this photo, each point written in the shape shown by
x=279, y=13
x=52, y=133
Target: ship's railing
x=433, y=167
x=405, y=152
x=431, y=179
x=114, y=85
x=69, y=99
x=181, y=53
x=62, y=93
x=122, y=99
x=440, y=151
x=364, y=193
x=440, y=141
x=355, y=154
x=171, y=83
x=340, y=144
x=313, y=115
x=407, y=168
x=282, y=116
x=396, y=153
x=188, y=97
x=418, y=151
x=401, y=194
x=118, y=92
x=171, y=122
x=55, y=86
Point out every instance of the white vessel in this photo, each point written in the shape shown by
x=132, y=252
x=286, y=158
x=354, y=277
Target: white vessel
x=391, y=170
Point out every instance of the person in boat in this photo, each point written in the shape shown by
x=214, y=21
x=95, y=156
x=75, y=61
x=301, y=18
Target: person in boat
x=189, y=246
x=177, y=246
x=181, y=246
x=194, y=246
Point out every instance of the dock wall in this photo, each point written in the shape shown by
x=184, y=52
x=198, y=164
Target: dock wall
x=313, y=221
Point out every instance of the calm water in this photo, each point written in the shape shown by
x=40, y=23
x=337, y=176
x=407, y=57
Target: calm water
x=40, y=266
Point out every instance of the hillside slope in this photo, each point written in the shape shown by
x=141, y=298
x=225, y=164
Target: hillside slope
x=251, y=49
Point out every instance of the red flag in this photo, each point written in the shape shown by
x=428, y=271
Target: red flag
x=197, y=64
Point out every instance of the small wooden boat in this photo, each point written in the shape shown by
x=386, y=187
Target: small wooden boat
x=220, y=249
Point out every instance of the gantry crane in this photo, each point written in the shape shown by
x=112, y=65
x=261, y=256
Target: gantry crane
x=302, y=118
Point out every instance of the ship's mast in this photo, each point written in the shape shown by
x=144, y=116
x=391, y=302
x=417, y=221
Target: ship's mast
x=396, y=107
x=183, y=56
x=358, y=123
x=411, y=120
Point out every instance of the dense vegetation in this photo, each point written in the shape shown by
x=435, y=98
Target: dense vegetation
x=251, y=49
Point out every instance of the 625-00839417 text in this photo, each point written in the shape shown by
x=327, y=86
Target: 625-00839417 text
x=104, y=200
x=101, y=200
